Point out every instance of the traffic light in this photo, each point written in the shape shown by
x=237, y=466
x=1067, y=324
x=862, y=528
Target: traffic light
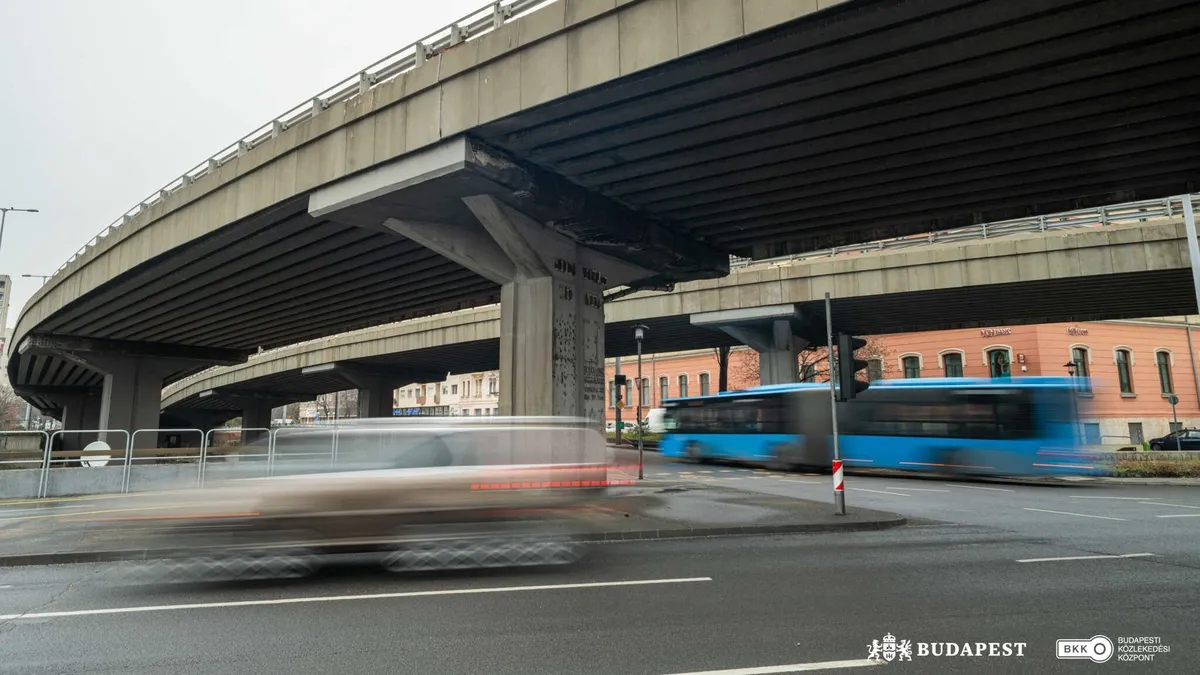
x=848, y=366
x=620, y=383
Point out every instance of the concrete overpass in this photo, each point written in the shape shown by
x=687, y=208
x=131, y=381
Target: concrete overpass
x=599, y=143
x=1115, y=272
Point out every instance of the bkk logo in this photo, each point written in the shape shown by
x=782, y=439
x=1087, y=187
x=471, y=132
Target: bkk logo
x=891, y=649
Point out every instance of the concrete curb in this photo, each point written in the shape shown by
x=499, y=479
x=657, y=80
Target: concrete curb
x=76, y=557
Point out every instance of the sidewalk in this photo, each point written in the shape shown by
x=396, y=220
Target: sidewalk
x=646, y=511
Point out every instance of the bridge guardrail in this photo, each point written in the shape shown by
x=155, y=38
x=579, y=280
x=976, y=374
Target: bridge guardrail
x=1101, y=216
x=477, y=23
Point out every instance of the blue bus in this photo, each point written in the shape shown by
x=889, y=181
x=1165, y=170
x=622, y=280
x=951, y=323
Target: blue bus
x=1017, y=427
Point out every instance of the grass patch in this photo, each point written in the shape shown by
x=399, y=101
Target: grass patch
x=1162, y=468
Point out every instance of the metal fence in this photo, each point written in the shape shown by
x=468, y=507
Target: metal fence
x=480, y=22
x=46, y=469
x=1099, y=217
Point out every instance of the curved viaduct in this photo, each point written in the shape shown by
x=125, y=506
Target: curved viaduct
x=599, y=143
x=1115, y=272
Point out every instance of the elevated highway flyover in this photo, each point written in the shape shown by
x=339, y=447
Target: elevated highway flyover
x=540, y=154
x=1072, y=271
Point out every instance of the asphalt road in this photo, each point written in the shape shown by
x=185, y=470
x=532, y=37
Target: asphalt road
x=710, y=604
x=1102, y=518
x=984, y=563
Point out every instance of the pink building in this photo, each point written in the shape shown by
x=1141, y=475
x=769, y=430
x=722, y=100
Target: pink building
x=1133, y=367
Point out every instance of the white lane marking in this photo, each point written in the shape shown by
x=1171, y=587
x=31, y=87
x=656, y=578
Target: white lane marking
x=1088, y=557
x=792, y=668
x=913, y=489
x=879, y=492
x=1181, y=515
x=1081, y=515
x=1177, y=506
x=1131, y=499
x=977, y=487
x=806, y=482
x=337, y=598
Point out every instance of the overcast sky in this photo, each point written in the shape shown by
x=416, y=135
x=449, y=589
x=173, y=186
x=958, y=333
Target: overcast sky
x=102, y=102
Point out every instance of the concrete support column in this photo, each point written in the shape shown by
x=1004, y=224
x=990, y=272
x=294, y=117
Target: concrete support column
x=256, y=415
x=79, y=412
x=131, y=398
x=551, y=305
x=375, y=401
x=780, y=363
x=551, y=348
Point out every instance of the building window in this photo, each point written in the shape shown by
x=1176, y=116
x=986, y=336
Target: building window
x=643, y=398
x=495, y=411
x=1135, y=432
x=912, y=366
x=952, y=364
x=683, y=385
x=875, y=369
x=1175, y=426
x=1164, y=372
x=704, y=381
x=478, y=412
x=1091, y=433
x=999, y=363
x=1125, y=373
x=612, y=393
x=454, y=389
x=663, y=389
x=493, y=386
x=808, y=373
x=1080, y=357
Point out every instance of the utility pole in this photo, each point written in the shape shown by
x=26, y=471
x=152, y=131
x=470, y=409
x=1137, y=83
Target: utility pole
x=639, y=332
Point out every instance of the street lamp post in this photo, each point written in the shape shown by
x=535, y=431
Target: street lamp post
x=639, y=333
x=4, y=216
x=1072, y=368
x=43, y=277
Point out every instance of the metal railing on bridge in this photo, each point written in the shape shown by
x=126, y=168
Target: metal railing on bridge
x=1098, y=217
x=480, y=22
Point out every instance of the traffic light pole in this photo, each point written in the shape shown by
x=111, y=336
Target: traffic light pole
x=839, y=491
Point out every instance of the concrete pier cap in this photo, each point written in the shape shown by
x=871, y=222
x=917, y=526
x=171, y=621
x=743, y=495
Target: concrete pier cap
x=553, y=247
x=776, y=332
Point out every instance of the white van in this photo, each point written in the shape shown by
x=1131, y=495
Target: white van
x=655, y=422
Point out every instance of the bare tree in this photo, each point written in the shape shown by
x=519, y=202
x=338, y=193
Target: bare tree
x=11, y=407
x=813, y=362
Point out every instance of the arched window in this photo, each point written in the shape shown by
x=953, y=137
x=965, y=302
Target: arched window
x=1124, y=358
x=1163, y=358
x=875, y=369
x=1081, y=357
x=704, y=382
x=683, y=385
x=664, y=386
x=911, y=366
x=952, y=363
x=998, y=359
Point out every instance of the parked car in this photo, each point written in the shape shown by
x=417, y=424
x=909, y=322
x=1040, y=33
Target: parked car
x=1184, y=439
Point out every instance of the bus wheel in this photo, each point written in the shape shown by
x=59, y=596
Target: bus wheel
x=695, y=453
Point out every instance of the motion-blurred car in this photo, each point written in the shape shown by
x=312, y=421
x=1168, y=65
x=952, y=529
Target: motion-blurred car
x=417, y=494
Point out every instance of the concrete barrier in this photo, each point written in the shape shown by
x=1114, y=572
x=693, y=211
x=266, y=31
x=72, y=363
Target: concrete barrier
x=20, y=483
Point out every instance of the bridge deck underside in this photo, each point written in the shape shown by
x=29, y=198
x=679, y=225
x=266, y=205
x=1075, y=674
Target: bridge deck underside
x=880, y=119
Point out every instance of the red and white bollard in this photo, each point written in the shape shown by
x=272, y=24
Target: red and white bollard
x=839, y=489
